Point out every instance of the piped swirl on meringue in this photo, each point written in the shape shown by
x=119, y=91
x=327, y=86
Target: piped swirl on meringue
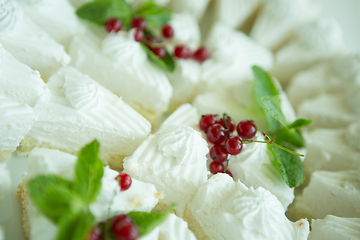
x=184, y=143
x=10, y=15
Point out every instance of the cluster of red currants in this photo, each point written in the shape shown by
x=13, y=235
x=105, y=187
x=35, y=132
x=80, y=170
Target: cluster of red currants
x=219, y=133
x=181, y=51
x=122, y=227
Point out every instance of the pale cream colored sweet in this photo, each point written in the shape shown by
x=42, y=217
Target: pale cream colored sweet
x=5, y=194
x=28, y=43
x=196, y=8
x=225, y=209
x=335, y=193
x=334, y=228
x=75, y=110
x=120, y=64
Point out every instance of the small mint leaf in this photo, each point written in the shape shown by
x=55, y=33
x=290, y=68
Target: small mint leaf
x=290, y=166
x=53, y=196
x=146, y=222
x=88, y=172
x=299, y=123
x=271, y=104
x=99, y=11
x=75, y=227
x=154, y=15
x=291, y=136
x=167, y=64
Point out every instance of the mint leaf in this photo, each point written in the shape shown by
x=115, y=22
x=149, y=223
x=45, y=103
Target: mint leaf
x=166, y=64
x=271, y=104
x=154, y=15
x=292, y=136
x=53, y=196
x=299, y=123
x=99, y=11
x=88, y=172
x=76, y=227
x=146, y=222
x=290, y=166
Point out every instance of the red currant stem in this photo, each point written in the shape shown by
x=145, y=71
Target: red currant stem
x=226, y=128
x=107, y=223
x=227, y=163
x=271, y=142
x=161, y=44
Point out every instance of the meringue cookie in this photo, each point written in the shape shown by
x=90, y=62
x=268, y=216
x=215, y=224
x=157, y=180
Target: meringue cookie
x=336, y=193
x=279, y=18
x=334, y=228
x=334, y=76
x=229, y=210
x=160, y=161
x=28, y=43
x=196, y=8
x=139, y=197
x=232, y=56
x=120, y=65
x=185, y=115
x=314, y=42
x=16, y=121
x=57, y=18
x=75, y=110
x=18, y=82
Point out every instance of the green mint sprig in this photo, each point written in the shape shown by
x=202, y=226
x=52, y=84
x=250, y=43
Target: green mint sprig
x=288, y=136
x=99, y=11
x=67, y=203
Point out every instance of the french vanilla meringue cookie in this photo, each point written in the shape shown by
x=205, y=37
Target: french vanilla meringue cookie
x=314, y=42
x=335, y=193
x=332, y=110
x=75, y=109
x=28, y=43
x=232, y=56
x=173, y=228
x=278, y=20
x=111, y=201
x=120, y=64
x=16, y=121
x=18, y=82
x=196, y=8
x=234, y=12
x=174, y=160
x=5, y=193
x=334, y=228
x=56, y=18
x=332, y=149
x=334, y=76
x=225, y=209
x=253, y=168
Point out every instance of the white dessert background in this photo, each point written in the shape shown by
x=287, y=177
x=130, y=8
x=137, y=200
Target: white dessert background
x=344, y=11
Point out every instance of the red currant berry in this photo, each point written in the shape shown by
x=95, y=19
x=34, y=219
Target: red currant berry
x=216, y=167
x=233, y=145
x=138, y=35
x=167, y=31
x=152, y=39
x=124, y=229
x=207, y=121
x=246, y=129
x=216, y=134
x=160, y=52
x=138, y=22
x=113, y=25
x=124, y=181
x=228, y=172
x=201, y=54
x=95, y=234
x=182, y=52
x=230, y=124
x=218, y=153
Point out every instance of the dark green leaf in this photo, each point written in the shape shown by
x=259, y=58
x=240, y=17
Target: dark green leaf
x=299, y=123
x=271, y=104
x=99, y=11
x=76, y=227
x=290, y=166
x=166, y=64
x=88, y=172
x=291, y=136
x=146, y=222
x=53, y=196
x=154, y=15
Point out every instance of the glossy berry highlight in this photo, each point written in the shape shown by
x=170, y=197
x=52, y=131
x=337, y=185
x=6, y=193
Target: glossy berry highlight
x=124, y=180
x=216, y=167
x=167, y=31
x=218, y=153
x=233, y=145
x=182, y=52
x=138, y=22
x=160, y=52
x=207, y=121
x=246, y=129
x=138, y=35
x=113, y=25
x=201, y=54
x=123, y=228
x=216, y=134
